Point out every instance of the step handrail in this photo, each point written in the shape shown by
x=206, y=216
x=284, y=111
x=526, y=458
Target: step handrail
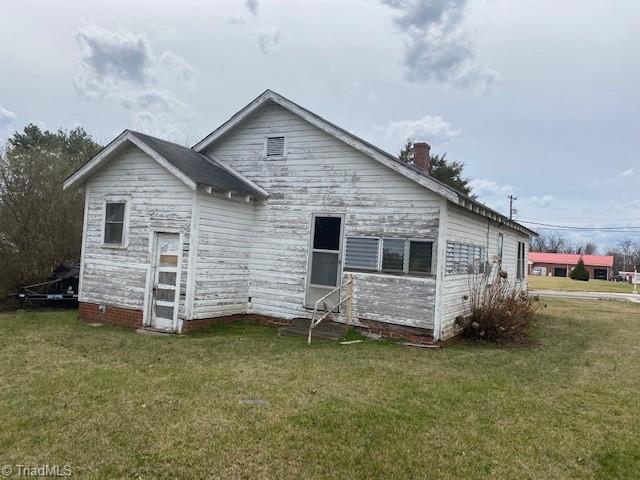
x=347, y=299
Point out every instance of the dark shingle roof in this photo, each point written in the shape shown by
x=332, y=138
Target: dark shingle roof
x=199, y=168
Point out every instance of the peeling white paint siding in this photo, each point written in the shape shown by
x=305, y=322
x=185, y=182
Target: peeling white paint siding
x=224, y=248
x=465, y=227
x=394, y=299
x=320, y=174
x=157, y=200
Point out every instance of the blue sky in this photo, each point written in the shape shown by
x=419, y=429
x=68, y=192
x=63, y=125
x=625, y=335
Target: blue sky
x=539, y=98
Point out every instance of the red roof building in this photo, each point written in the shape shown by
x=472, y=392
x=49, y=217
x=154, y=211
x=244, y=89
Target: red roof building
x=599, y=267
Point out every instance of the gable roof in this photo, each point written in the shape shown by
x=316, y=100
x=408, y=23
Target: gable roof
x=391, y=161
x=571, y=259
x=186, y=164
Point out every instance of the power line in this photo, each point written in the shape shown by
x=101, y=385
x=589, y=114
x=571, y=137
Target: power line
x=552, y=229
x=626, y=228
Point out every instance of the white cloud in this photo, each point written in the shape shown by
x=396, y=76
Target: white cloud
x=6, y=117
x=118, y=66
x=431, y=129
x=437, y=46
x=542, y=201
x=482, y=187
x=269, y=40
x=627, y=173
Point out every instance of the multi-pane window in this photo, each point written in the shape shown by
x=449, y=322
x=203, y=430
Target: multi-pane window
x=465, y=259
x=389, y=255
x=114, y=223
x=521, y=261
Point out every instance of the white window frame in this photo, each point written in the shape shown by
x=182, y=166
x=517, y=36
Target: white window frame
x=500, y=245
x=481, y=265
x=404, y=257
x=408, y=254
x=284, y=147
x=125, y=224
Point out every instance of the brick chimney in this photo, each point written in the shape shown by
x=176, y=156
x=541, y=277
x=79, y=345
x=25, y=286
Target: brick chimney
x=421, y=158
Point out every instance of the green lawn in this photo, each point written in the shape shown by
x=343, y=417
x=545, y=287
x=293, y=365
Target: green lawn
x=569, y=285
x=114, y=404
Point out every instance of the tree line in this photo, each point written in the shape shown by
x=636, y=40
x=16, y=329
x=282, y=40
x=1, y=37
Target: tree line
x=40, y=224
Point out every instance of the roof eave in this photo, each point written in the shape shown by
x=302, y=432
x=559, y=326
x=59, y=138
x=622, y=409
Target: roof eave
x=89, y=168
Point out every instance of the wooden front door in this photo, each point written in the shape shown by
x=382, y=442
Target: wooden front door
x=325, y=259
x=166, y=281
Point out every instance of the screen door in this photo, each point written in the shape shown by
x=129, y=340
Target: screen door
x=325, y=262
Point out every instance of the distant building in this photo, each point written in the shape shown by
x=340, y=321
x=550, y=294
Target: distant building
x=599, y=267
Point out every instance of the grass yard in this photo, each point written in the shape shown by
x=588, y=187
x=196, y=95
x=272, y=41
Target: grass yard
x=114, y=404
x=568, y=285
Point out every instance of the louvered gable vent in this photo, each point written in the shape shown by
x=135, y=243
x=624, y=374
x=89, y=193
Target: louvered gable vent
x=275, y=146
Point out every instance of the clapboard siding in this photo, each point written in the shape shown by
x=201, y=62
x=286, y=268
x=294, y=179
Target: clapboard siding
x=466, y=227
x=224, y=249
x=320, y=174
x=394, y=299
x=157, y=201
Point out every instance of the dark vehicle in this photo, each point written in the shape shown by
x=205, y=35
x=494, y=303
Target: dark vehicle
x=60, y=289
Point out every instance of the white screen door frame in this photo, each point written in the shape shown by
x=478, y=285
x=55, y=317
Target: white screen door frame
x=314, y=290
x=163, y=285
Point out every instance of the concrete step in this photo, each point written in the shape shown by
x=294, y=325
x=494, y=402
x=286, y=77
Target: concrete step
x=154, y=332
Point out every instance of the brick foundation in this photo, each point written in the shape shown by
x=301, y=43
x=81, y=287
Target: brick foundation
x=125, y=317
x=387, y=330
x=90, y=312
x=399, y=332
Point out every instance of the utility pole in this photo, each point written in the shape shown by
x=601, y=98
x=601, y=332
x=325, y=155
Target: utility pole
x=512, y=210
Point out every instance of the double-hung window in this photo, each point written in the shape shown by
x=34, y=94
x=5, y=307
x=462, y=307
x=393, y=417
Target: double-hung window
x=389, y=255
x=114, y=223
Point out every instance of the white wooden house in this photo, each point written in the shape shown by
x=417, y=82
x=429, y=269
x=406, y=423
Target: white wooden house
x=269, y=213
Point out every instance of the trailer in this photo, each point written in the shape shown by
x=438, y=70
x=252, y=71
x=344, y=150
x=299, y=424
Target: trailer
x=60, y=289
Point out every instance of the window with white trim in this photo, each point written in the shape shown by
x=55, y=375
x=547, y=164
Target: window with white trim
x=114, y=220
x=389, y=255
x=500, y=245
x=275, y=146
x=463, y=258
x=521, y=261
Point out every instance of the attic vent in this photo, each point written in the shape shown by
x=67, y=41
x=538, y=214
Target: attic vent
x=275, y=146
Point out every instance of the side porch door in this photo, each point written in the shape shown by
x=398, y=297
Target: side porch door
x=166, y=282
x=325, y=259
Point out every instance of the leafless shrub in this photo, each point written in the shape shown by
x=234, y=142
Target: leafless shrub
x=500, y=312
